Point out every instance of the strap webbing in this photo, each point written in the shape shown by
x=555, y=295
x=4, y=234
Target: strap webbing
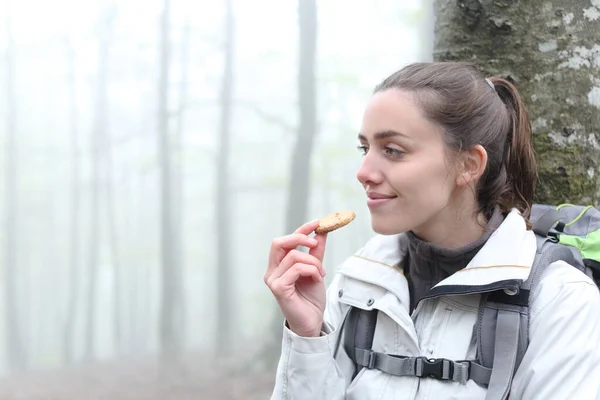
x=546, y=222
x=443, y=369
x=480, y=374
x=505, y=354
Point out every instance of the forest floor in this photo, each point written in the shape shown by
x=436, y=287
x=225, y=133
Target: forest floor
x=141, y=379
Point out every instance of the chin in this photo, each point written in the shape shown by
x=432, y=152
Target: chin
x=385, y=228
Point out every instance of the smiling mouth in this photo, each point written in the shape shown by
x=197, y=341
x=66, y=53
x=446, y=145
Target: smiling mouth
x=374, y=201
x=379, y=196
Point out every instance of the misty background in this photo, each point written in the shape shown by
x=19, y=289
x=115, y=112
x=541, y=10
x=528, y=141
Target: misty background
x=148, y=151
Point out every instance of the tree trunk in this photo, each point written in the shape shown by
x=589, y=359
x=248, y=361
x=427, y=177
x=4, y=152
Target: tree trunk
x=94, y=245
x=171, y=313
x=109, y=203
x=14, y=343
x=138, y=328
x=549, y=49
x=73, y=284
x=177, y=176
x=224, y=210
x=113, y=241
x=98, y=150
x=299, y=184
x=427, y=28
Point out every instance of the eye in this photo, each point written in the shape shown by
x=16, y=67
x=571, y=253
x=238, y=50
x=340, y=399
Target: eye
x=363, y=149
x=392, y=152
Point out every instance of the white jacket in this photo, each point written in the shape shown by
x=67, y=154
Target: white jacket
x=561, y=362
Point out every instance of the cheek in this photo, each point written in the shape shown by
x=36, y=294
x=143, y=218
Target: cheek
x=429, y=181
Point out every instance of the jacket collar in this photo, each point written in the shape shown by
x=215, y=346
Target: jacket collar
x=504, y=262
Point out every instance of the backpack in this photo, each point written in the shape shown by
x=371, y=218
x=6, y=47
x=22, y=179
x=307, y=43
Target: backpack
x=568, y=232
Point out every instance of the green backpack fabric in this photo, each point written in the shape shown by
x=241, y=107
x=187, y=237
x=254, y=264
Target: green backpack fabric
x=577, y=227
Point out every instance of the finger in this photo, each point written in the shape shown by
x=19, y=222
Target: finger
x=282, y=245
x=295, y=257
x=308, y=227
x=284, y=285
x=299, y=270
x=318, y=251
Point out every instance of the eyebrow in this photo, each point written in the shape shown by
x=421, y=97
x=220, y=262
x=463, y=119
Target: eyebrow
x=383, y=135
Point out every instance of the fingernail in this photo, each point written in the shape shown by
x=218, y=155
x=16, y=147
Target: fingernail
x=313, y=241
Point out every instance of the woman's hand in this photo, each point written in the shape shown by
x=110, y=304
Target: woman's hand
x=296, y=279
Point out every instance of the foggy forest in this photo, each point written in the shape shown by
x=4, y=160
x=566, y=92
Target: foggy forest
x=150, y=153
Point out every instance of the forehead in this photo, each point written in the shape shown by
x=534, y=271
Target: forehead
x=395, y=110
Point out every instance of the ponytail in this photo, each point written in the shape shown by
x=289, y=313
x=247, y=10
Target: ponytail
x=519, y=155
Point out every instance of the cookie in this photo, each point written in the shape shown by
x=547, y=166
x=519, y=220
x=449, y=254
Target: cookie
x=335, y=221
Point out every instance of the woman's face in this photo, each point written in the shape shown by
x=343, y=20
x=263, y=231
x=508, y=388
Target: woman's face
x=405, y=171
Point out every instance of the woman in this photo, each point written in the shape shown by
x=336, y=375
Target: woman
x=449, y=173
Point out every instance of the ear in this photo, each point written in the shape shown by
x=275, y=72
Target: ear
x=472, y=163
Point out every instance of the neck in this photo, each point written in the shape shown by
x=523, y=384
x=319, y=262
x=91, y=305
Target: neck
x=452, y=228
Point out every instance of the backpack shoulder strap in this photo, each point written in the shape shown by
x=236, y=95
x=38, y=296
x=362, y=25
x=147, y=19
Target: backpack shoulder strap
x=358, y=335
x=503, y=325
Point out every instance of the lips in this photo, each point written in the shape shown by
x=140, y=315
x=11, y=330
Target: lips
x=379, y=196
x=378, y=199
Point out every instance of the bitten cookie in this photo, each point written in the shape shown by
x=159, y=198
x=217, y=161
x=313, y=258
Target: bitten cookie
x=335, y=221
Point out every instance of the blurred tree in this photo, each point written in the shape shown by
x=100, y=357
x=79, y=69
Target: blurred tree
x=73, y=282
x=113, y=241
x=16, y=356
x=426, y=28
x=299, y=182
x=171, y=331
x=550, y=50
x=224, y=332
x=98, y=151
x=178, y=167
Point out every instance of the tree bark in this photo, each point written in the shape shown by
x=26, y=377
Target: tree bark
x=550, y=50
x=14, y=338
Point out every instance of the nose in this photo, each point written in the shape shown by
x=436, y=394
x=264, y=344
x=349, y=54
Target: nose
x=369, y=172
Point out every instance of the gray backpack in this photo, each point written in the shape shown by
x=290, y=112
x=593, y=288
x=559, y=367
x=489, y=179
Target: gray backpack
x=567, y=232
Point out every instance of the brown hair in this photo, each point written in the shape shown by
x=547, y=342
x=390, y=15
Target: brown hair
x=457, y=97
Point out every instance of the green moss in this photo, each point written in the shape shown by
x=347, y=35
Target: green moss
x=563, y=173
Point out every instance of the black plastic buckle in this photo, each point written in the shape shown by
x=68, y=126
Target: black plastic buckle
x=434, y=368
